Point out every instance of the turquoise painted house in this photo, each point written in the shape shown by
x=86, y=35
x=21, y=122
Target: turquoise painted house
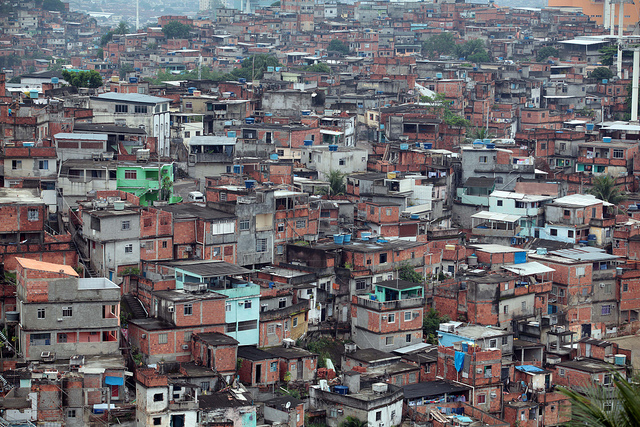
x=149, y=181
x=242, y=308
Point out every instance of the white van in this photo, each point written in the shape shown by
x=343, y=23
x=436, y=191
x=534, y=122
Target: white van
x=196, y=196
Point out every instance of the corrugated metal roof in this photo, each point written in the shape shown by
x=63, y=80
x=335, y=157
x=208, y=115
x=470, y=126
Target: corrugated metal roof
x=81, y=136
x=528, y=268
x=132, y=97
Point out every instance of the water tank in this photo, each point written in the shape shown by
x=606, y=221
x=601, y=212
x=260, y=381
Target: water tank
x=472, y=260
x=541, y=251
x=428, y=145
x=379, y=387
x=118, y=205
x=242, y=80
x=347, y=238
x=333, y=148
x=269, y=69
x=438, y=75
x=391, y=175
x=250, y=183
x=191, y=89
x=274, y=157
x=404, y=146
x=306, y=112
x=415, y=216
x=12, y=316
x=606, y=139
x=33, y=94
x=308, y=142
x=133, y=80
x=249, y=120
x=621, y=359
x=341, y=389
x=490, y=146
x=55, y=80
x=338, y=239
x=450, y=247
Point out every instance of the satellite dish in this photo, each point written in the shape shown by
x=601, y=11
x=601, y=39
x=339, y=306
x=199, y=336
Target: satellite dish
x=287, y=405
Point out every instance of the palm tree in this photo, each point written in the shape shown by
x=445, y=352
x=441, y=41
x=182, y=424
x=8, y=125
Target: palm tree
x=336, y=183
x=354, y=422
x=122, y=28
x=617, y=406
x=481, y=133
x=604, y=188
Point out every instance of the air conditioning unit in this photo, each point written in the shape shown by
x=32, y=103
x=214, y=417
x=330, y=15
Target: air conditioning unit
x=493, y=395
x=185, y=346
x=143, y=336
x=171, y=309
x=60, y=319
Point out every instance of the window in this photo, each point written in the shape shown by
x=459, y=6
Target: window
x=391, y=318
x=295, y=322
x=553, y=232
x=301, y=223
x=67, y=311
x=567, y=212
x=261, y=245
x=389, y=341
x=606, y=310
x=607, y=288
x=505, y=309
x=282, y=303
x=140, y=109
x=361, y=284
x=543, y=146
x=378, y=415
x=43, y=165
x=125, y=225
x=607, y=406
x=407, y=338
x=164, y=244
x=158, y=397
x=281, y=227
x=570, y=233
x=407, y=316
x=280, y=249
x=383, y=258
x=41, y=313
x=625, y=287
x=499, y=202
x=187, y=134
x=128, y=249
x=618, y=154
x=271, y=329
x=227, y=307
x=247, y=304
x=563, y=146
x=204, y=386
x=524, y=305
x=273, y=367
x=71, y=413
x=62, y=338
x=482, y=398
x=493, y=343
x=245, y=224
x=341, y=162
x=163, y=338
x=579, y=271
x=33, y=214
x=482, y=159
x=606, y=379
x=130, y=174
x=122, y=108
x=16, y=164
x=188, y=309
x=505, y=340
x=187, y=336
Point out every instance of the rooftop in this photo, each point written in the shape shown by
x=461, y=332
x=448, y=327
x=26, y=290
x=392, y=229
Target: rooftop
x=131, y=97
x=208, y=268
x=216, y=338
x=20, y=196
x=432, y=388
x=589, y=365
x=398, y=284
x=81, y=136
x=193, y=210
x=579, y=201
x=475, y=332
x=253, y=353
x=47, y=266
x=370, y=355
x=290, y=353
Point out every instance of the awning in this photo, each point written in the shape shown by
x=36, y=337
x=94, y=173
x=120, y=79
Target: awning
x=113, y=380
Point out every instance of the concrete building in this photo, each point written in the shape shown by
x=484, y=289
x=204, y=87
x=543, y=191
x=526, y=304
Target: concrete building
x=64, y=314
x=324, y=159
x=150, y=113
x=389, y=318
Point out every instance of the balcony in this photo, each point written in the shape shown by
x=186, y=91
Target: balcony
x=388, y=305
x=185, y=405
x=495, y=224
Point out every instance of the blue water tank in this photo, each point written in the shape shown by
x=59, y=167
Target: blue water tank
x=347, y=238
x=308, y=142
x=589, y=126
x=33, y=94
x=231, y=134
x=250, y=183
x=404, y=146
x=54, y=80
x=491, y=146
x=269, y=69
x=428, y=145
x=249, y=120
x=306, y=112
x=274, y=156
x=242, y=80
x=191, y=89
x=133, y=80
x=338, y=239
x=341, y=389
x=606, y=139
x=333, y=148
x=438, y=75
x=605, y=81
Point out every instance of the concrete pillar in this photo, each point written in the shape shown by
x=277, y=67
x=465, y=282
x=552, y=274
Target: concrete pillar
x=634, y=86
x=620, y=33
x=606, y=22
x=612, y=16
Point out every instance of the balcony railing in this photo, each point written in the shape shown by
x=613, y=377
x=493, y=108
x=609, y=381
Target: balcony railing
x=389, y=305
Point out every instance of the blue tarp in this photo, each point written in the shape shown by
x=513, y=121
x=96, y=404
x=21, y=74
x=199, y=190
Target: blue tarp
x=113, y=380
x=529, y=368
x=459, y=360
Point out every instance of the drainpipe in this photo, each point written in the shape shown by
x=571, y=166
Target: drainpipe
x=634, y=86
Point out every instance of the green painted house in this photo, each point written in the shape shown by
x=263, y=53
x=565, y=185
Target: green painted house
x=149, y=181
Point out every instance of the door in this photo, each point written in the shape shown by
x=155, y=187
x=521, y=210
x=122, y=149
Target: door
x=299, y=369
x=258, y=374
x=586, y=330
x=115, y=392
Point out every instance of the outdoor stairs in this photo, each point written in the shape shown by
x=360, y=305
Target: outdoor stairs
x=136, y=307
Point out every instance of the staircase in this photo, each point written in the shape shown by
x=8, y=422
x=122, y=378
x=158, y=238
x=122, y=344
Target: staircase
x=85, y=263
x=135, y=306
x=9, y=346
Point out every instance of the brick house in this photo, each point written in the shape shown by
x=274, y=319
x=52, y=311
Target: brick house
x=257, y=367
x=296, y=363
x=215, y=351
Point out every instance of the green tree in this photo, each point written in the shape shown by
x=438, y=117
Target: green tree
x=152, y=46
x=338, y=46
x=353, y=422
x=125, y=69
x=176, y=30
x=106, y=38
x=481, y=133
x=604, y=188
x=253, y=67
x=440, y=44
x=431, y=323
x=406, y=272
x=336, y=183
x=546, y=52
x=607, y=55
x=100, y=53
x=588, y=408
x=90, y=79
x=473, y=50
x=122, y=28
x=167, y=188
x=320, y=67
x=600, y=73
x=53, y=5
